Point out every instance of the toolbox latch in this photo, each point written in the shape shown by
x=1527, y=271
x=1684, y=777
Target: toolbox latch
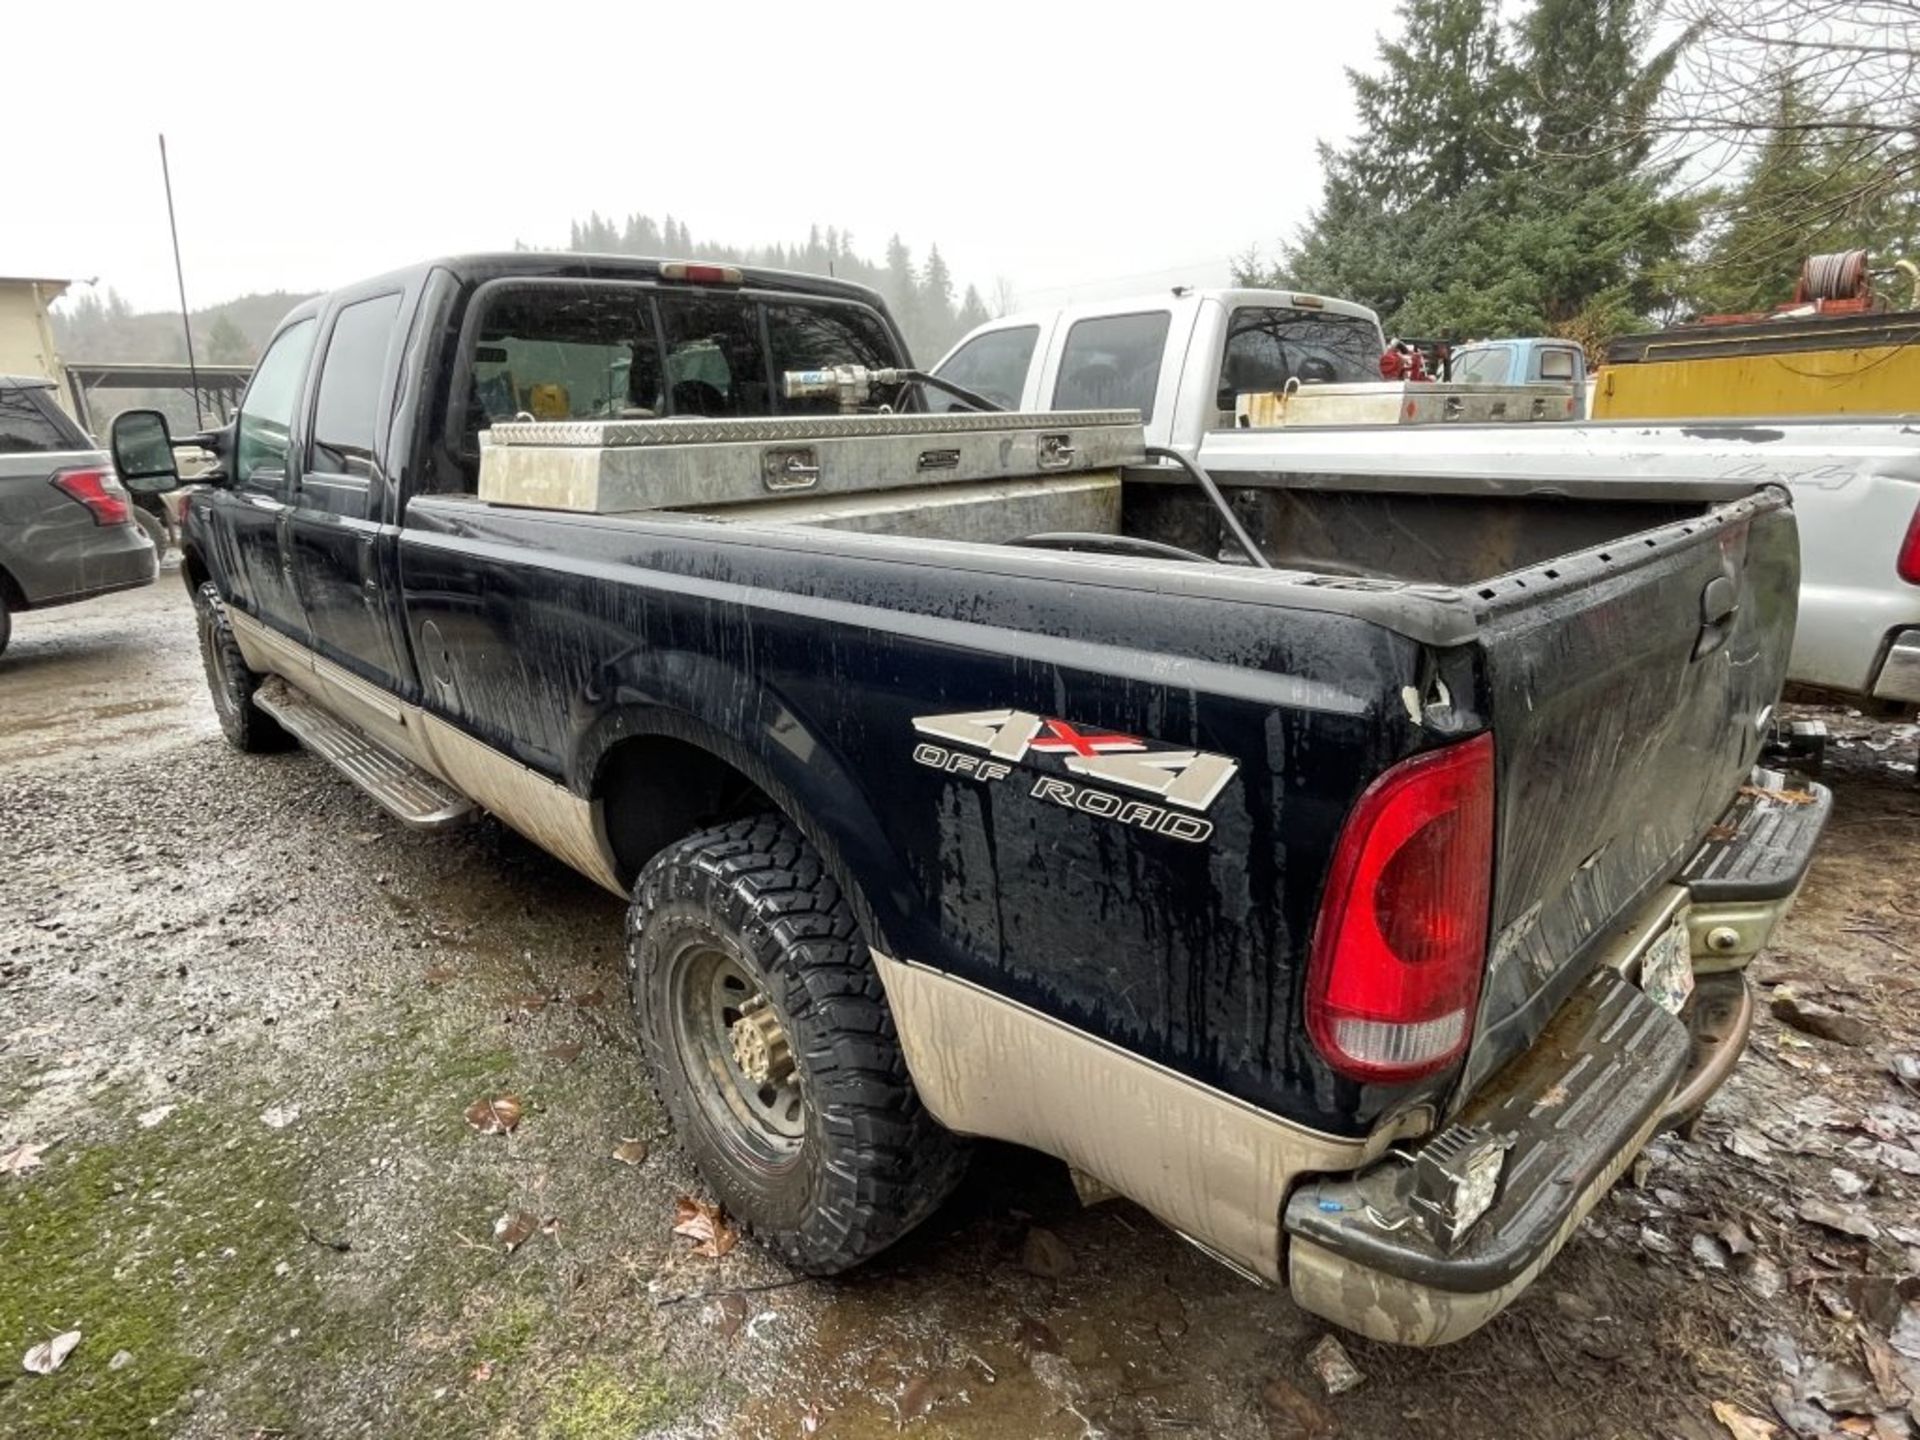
x=790, y=467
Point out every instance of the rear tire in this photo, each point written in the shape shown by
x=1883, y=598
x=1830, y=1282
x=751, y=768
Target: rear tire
x=246, y=726
x=824, y=1152
x=6, y=622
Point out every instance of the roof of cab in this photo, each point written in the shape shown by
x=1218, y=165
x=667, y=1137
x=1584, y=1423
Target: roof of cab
x=1183, y=298
x=569, y=265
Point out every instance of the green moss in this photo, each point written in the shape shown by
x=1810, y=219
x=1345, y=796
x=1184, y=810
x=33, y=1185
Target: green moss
x=597, y=1402
x=129, y=1244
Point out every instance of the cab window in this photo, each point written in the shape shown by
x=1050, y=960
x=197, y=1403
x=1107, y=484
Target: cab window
x=1556, y=364
x=565, y=352
x=818, y=337
x=993, y=366
x=266, y=414
x=1269, y=345
x=351, y=376
x=1112, y=362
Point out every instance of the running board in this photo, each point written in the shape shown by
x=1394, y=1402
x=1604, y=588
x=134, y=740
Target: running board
x=399, y=786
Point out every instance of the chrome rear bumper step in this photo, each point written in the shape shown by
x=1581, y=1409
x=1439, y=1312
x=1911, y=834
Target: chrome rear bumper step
x=398, y=786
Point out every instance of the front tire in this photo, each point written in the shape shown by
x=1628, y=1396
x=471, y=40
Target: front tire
x=246, y=726
x=773, y=1051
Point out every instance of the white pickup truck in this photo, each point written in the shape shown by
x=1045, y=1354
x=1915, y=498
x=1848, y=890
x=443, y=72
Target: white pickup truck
x=1185, y=358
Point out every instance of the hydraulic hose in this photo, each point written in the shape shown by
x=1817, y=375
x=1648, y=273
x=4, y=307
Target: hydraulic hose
x=971, y=398
x=1205, y=481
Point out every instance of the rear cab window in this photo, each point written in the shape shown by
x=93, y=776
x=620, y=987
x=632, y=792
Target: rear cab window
x=31, y=424
x=1488, y=365
x=1270, y=345
x=993, y=365
x=627, y=350
x=1555, y=363
x=1112, y=362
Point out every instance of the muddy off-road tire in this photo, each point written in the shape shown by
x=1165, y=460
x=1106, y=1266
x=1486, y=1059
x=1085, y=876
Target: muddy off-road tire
x=246, y=726
x=738, y=940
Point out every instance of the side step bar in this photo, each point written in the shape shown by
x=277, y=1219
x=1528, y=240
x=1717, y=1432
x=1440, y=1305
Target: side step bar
x=399, y=786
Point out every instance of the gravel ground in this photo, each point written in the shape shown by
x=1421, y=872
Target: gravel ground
x=245, y=1014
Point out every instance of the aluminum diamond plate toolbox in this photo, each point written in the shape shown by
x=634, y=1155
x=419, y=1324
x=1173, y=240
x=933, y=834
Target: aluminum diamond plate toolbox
x=611, y=466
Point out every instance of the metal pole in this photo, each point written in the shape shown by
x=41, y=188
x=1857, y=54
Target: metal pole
x=179, y=276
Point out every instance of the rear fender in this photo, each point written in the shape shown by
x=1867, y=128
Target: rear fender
x=710, y=704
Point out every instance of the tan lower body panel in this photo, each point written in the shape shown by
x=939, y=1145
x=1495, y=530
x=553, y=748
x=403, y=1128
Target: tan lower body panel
x=550, y=815
x=1214, y=1168
x=1405, y=1312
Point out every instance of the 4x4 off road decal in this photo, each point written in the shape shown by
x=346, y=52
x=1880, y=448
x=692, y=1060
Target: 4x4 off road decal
x=1188, y=779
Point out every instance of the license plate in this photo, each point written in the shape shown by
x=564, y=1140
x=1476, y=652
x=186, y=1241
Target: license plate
x=1666, y=970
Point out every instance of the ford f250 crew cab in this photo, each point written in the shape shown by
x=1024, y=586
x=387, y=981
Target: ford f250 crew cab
x=1355, y=878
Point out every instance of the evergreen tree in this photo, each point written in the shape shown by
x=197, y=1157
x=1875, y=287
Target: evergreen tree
x=973, y=312
x=1805, y=191
x=1496, y=189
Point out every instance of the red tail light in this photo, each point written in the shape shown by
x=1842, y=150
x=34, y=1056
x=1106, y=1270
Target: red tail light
x=1908, y=565
x=89, y=487
x=1402, y=936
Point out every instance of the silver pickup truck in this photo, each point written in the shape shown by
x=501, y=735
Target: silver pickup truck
x=1185, y=358
x=68, y=530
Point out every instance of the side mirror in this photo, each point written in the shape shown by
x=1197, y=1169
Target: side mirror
x=143, y=452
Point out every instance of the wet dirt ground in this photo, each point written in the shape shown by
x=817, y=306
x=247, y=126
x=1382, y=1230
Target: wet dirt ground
x=244, y=1014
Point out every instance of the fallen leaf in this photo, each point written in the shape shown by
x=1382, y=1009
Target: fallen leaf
x=1832, y=1217
x=497, y=1116
x=1035, y=1337
x=917, y=1398
x=514, y=1229
x=121, y=1359
x=21, y=1159
x=1734, y=1236
x=1045, y=1254
x=1821, y=1021
x=1906, y=1069
x=704, y=1224
x=1743, y=1424
x=566, y=1054
x=482, y=1371
x=1885, y=1367
x=1708, y=1252
x=811, y=1419
x=49, y=1355
x=1334, y=1366
x=1302, y=1416
x=630, y=1152
x=1784, y=797
x=589, y=997
x=1722, y=832
x=1749, y=1144
x=729, y=1314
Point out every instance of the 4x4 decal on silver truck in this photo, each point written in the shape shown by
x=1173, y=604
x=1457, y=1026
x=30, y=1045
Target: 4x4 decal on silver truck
x=1189, y=779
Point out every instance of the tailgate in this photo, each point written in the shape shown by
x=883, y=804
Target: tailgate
x=1629, y=687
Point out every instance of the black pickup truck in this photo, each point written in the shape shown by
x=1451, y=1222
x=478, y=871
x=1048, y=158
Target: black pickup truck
x=1354, y=873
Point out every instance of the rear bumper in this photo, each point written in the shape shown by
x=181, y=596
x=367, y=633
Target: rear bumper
x=1612, y=1069
x=96, y=560
x=1899, y=677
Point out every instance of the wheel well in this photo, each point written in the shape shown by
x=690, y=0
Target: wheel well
x=11, y=592
x=193, y=570
x=655, y=789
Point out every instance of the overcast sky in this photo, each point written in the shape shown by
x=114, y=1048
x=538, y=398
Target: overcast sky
x=1075, y=150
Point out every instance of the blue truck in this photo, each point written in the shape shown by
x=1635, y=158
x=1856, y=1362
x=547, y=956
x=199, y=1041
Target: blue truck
x=1354, y=876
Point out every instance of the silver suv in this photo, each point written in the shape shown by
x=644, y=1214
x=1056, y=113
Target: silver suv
x=68, y=529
